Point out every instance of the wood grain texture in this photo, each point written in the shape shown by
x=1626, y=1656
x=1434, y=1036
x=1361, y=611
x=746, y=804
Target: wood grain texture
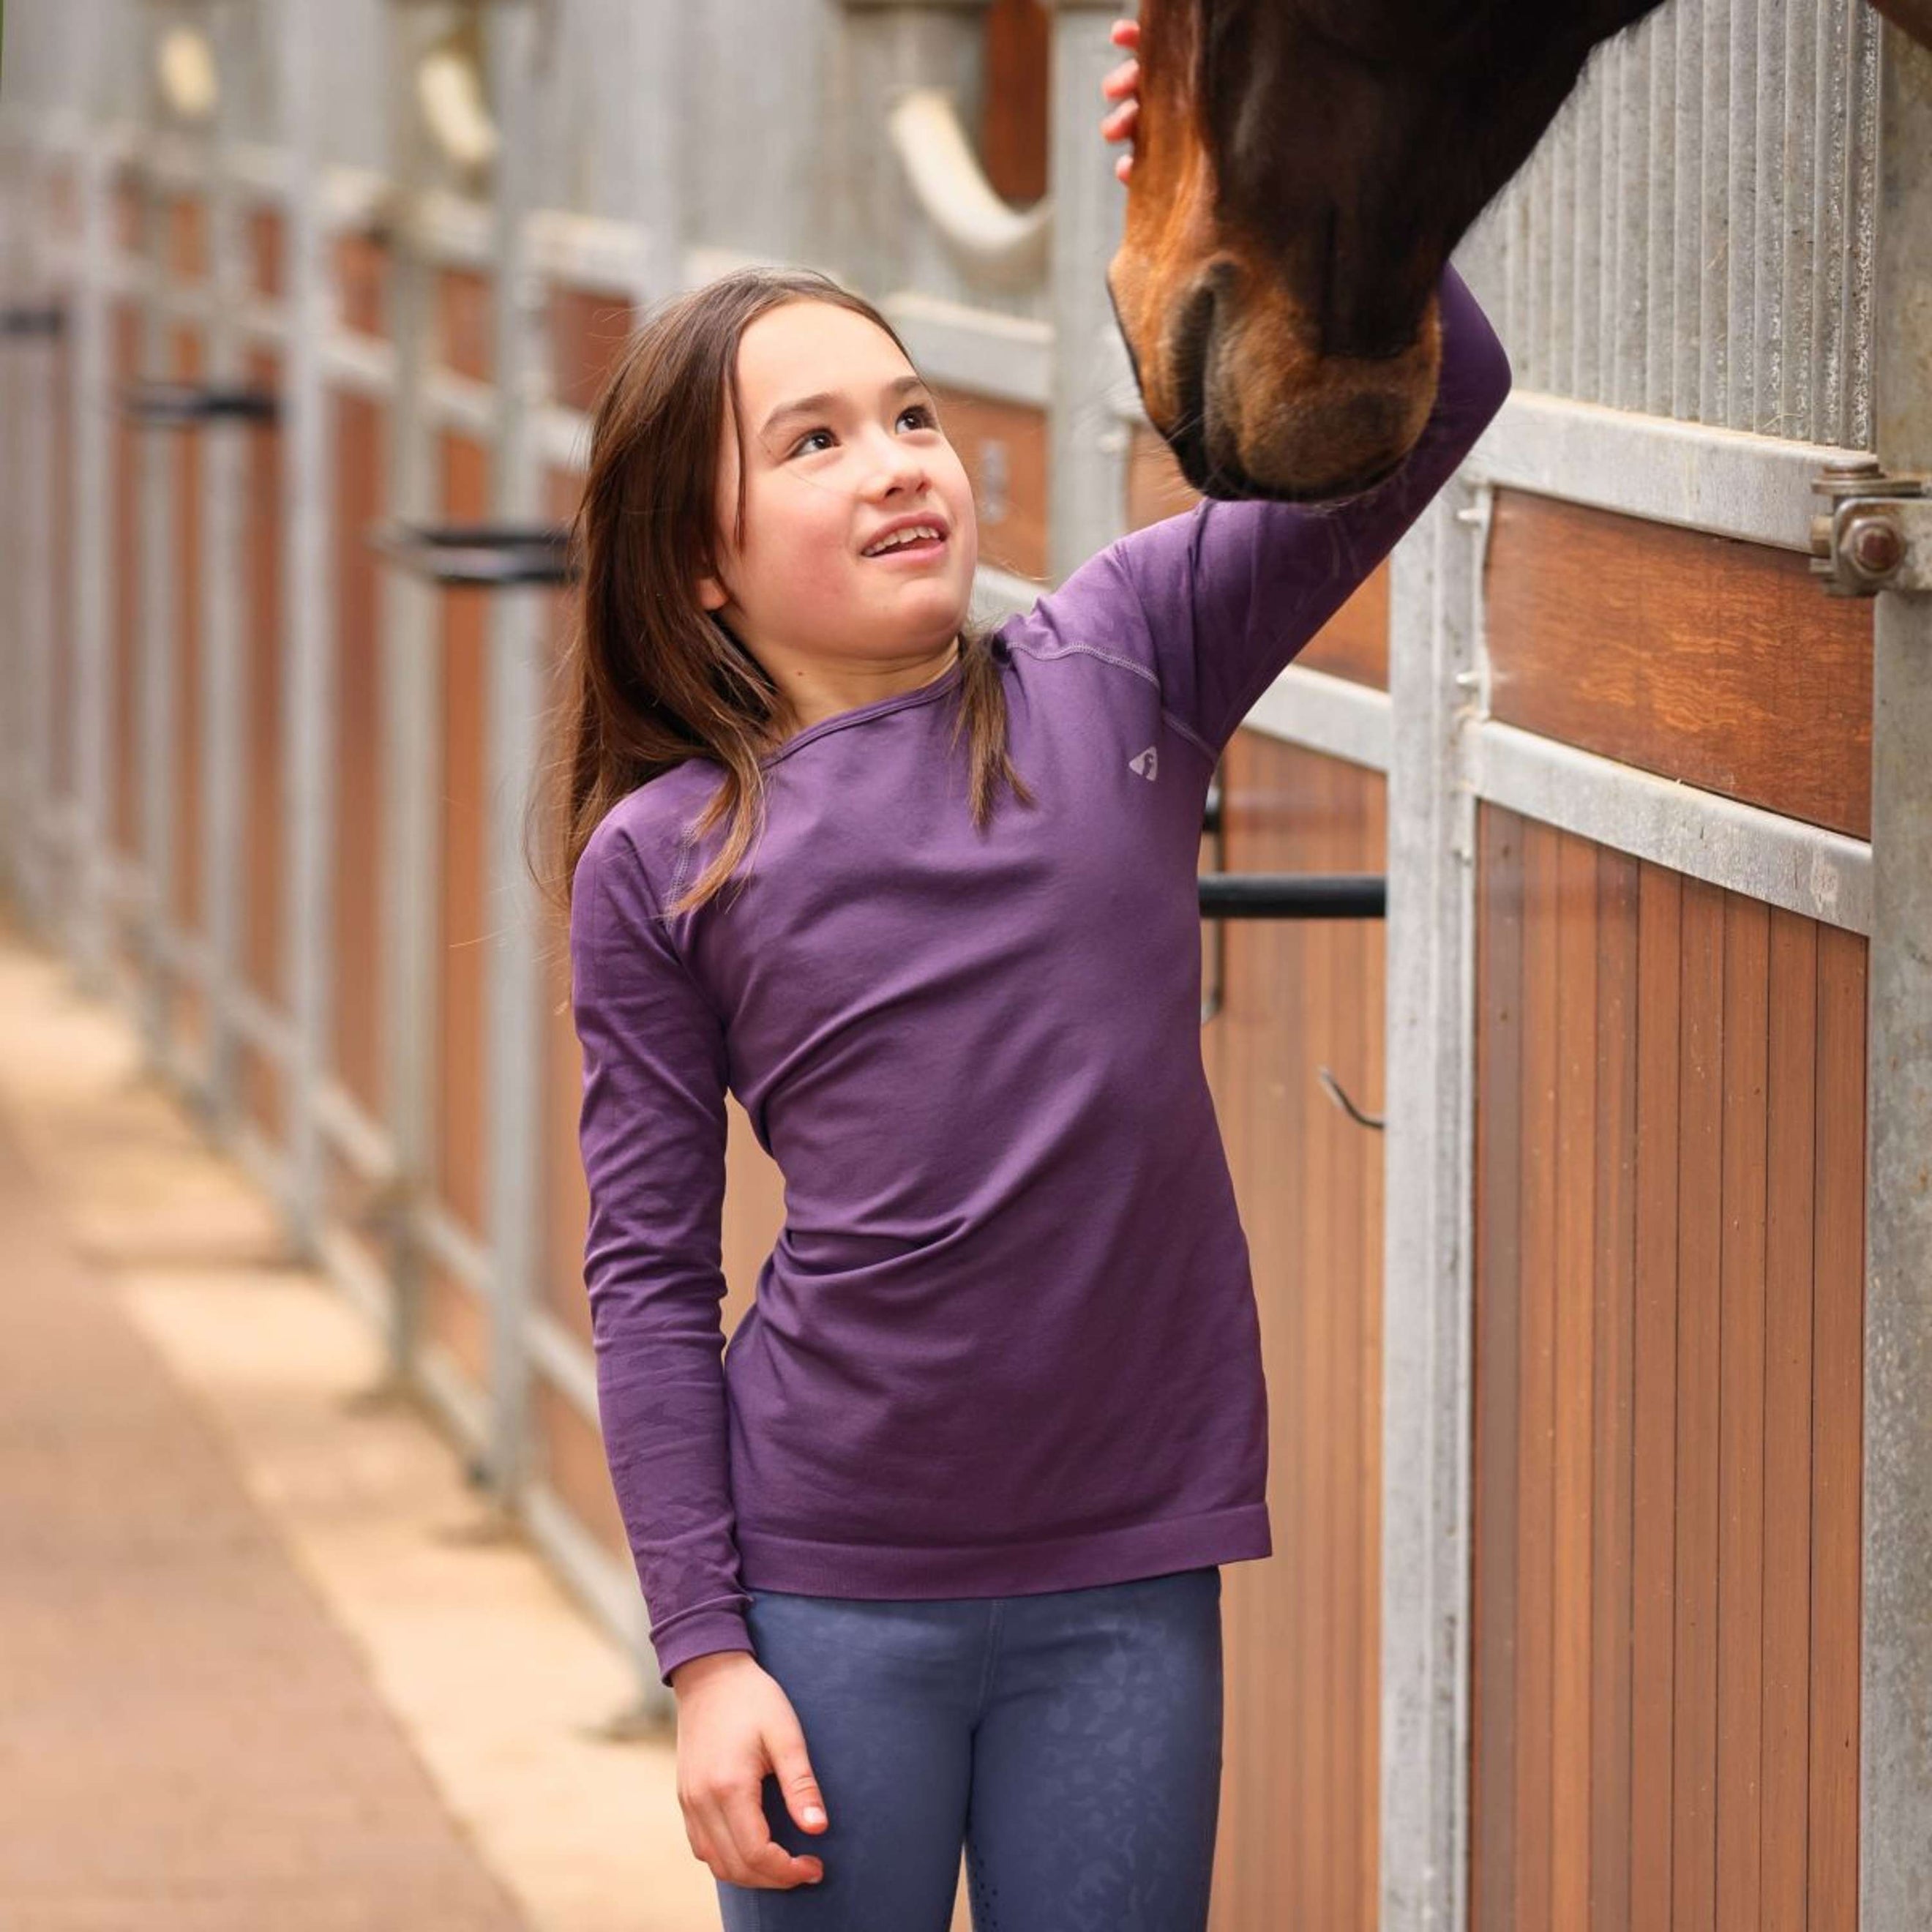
x=1297, y=1841
x=1668, y=1328
x=1705, y=659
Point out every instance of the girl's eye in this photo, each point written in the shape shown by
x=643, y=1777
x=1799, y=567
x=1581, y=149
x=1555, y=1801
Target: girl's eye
x=922, y=410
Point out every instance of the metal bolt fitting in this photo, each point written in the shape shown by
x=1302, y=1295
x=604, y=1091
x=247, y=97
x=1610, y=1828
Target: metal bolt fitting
x=1874, y=543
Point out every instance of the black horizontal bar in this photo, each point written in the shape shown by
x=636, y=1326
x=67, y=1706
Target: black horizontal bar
x=173, y=405
x=487, y=555
x=50, y=319
x=1294, y=895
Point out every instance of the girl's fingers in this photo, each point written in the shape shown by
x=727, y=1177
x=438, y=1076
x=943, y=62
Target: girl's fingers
x=1124, y=167
x=1124, y=80
x=1125, y=33
x=1119, y=124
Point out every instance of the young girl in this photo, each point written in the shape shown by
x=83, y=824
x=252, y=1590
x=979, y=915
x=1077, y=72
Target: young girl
x=931, y=1554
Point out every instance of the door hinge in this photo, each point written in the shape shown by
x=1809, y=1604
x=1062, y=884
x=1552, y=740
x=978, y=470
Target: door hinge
x=1877, y=534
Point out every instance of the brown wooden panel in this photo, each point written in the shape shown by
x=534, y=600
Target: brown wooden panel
x=1714, y=661
x=267, y=244
x=462, y=1043
x=1573, y=1379
x=1740, y=1499
x=588, y=330
x=357, y=847
x=1498, y=1378
x=1353, y=643
x=186, y=237
x=464, y=322
x=1653, y=1453
x=1700, y=1127
x=362, y=275
x=1296, y=1840
x=1536, y=1422
x=1668, y=1327
x=1014, y=112
x=264, y=756
x=1611, y=1763
x=1838, y=1406
x=1790, y=1189
x=1003, y=446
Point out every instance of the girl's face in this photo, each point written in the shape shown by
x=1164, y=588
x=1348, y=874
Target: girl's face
x=822, y=482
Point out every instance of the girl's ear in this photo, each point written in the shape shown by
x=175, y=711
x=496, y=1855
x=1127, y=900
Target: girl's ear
x=711, y=594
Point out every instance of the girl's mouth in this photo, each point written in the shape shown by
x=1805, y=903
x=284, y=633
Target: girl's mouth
x=922, y=550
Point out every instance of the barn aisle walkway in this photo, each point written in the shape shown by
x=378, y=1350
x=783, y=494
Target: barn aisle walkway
x=254, y=1676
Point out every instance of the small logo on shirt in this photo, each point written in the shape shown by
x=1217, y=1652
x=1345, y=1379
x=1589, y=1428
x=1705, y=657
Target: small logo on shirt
x=1144, y=763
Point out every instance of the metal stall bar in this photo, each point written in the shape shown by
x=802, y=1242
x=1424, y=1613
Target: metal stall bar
x=222, y=663
x=516, y=682
x=307, y=635
x=1895, y=1643
x=29, y=522
x=1428, y=1286
x=412, y=700
x=83, y=853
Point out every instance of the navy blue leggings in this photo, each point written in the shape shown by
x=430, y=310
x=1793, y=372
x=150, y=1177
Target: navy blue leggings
x=1070, y=1741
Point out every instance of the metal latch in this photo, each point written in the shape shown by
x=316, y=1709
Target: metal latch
x=1877, y=535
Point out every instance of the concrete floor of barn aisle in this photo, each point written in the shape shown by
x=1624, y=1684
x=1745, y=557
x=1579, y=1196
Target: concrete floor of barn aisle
x=252, y=1674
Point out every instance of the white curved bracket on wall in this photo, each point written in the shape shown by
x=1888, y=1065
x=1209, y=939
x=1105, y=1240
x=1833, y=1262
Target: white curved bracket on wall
x=997, y=242
x=190, y=83
x=450, y=91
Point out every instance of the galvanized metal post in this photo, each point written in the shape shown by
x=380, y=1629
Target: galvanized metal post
x=1895, y=1723
x=156, y=455
x=1436, y=654
x=518, y=652
x=221, y=662
x=412, y=705
x=84, y=853
x=307, y=632
x=1087, y=454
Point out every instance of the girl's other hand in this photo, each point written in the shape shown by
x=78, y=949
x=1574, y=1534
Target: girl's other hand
x=734, y=1724
x=1123, y=85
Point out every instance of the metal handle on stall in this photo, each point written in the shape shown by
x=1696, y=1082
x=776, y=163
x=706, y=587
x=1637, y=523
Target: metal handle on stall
x=1225, y=895
x=188, y=405
x=50, y=320
x=486, y=555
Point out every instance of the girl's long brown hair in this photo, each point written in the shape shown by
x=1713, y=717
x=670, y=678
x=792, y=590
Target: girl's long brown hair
x=648, y=677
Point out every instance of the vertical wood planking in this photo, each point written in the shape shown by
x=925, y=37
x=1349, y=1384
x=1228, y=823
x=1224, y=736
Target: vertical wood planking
x=1694, y=1837
x=1741, y=1419
x=1498, y=1370
x=1610, y=1764
x=1536, y=1420
x=1575, y=1165
x=1315, y=1293
x=1838, y=1406
x=1790, y=1106
x=1654, y=1397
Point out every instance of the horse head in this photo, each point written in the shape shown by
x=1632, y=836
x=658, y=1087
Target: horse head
x=1302, y=169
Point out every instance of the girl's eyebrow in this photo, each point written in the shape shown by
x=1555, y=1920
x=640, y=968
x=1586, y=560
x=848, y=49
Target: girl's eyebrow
x=824, y=398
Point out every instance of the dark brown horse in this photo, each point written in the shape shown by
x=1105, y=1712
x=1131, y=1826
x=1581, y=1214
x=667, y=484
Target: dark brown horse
x=1302, y=169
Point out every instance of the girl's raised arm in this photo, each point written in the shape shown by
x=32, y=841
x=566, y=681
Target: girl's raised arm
x=652, y=1131
x=1227, y=593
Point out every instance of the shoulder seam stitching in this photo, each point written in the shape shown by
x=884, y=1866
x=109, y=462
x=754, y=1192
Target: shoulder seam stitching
x=1141, y=671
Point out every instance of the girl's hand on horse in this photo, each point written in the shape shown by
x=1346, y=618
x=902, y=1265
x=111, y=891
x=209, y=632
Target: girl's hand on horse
x=734, y=1724
x=1123, y=85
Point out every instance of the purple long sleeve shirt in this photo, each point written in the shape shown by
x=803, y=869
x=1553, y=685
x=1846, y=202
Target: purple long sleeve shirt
x=1007, y=1340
